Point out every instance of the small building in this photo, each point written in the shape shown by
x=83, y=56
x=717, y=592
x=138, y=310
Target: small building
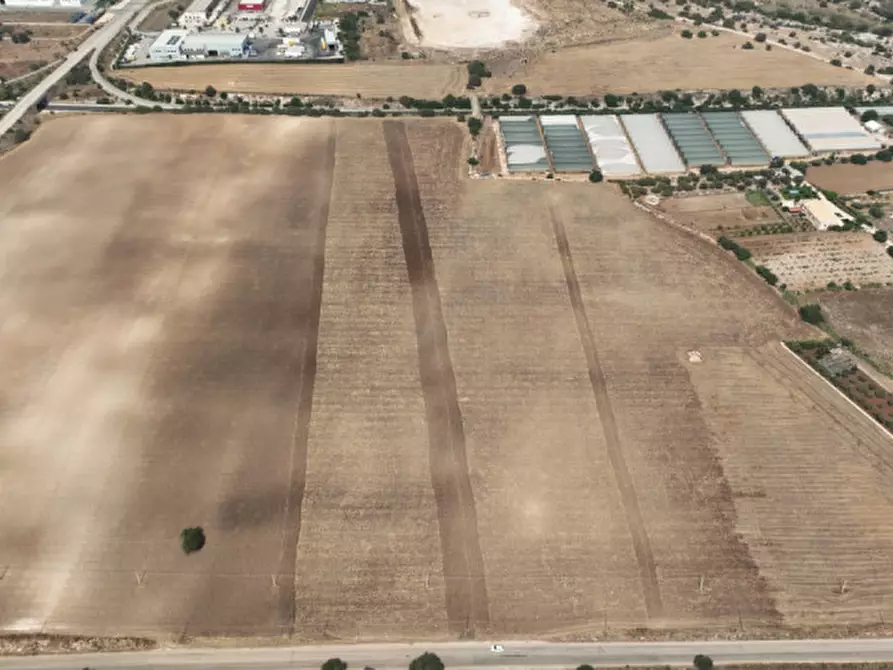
x=251, y=5
x=824, y=214
x=198, y=13
x=215, y=45
x=167, y=45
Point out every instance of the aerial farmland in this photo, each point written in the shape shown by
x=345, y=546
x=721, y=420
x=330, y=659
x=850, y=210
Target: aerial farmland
x=403, y=403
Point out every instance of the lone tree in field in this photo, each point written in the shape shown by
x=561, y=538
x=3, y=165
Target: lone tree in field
x=426, y=661
x=192, y=539
x=334, y=664
x=702, y=662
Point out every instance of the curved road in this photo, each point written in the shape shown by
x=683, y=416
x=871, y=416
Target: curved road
x=457, y=655
x=97, y=41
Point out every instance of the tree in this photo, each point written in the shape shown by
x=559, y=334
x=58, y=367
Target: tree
x=334, y=664
x=756, y=92
x=836, y=62
x=474, y=126
x=472, y=161
x=747, y=45
x=859, y=159
x=585, y=667
x=611, y=100
x=686, y=34
x=474, y=81
x=192, y=539
x=760, y=37
x=479, y=68
x=519, y=89
x=869, y=115
x=881, y=236
x=595, y=176
x=876, y=212
x=210, y=91
x=812, y=314
x=426, y=661
x=702, y=662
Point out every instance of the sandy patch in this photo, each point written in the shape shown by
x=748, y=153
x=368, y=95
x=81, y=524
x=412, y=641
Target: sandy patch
x=470, y=24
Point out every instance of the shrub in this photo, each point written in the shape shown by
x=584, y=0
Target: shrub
x=859, y=159
x=836, y=62
x=474, y=126
x=210, y=91
x=192, y=539
x=880, y=236
x=812, y=314
x=473, y=161
x=686, y=34
x=747, y=45
x=702, y=662
x=767, y=274
x=760, y=37
x=519, y=89
x=595, y=176
x=876, y=212
x=426, y=661
x=334, y=664
x=742, y=254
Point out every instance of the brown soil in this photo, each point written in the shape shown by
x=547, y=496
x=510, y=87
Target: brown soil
x=371, y=80
x=508, y=432
x=463, y=569
x=649, y=64
x=849, y=179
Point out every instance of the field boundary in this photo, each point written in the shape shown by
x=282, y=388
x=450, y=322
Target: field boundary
x=463, y=565
x=291, y=514
x=843, y=395
x=628, y=497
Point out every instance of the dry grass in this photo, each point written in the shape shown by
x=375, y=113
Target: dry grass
x=812, y=260
x=370, y=80
x=667, y=63
x=718, y=213
x=848, y=178
x=49, y=43
x=866, y=317
x=160, y=353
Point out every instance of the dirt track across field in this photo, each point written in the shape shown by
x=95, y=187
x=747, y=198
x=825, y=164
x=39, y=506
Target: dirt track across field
x=641, y=543
x=466, y=590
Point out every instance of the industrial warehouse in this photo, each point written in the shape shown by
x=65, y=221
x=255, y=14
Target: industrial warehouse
x=263, y=30
x=628, y=145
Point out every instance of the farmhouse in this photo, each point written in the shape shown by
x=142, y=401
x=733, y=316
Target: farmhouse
x=823, y=214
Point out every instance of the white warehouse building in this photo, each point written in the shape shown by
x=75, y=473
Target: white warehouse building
x=215, y=45
x=167, y=45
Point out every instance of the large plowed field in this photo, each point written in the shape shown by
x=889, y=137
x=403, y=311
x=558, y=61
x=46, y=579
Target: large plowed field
x=403, y=404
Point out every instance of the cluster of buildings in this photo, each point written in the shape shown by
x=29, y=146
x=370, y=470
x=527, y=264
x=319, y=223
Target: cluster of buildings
x=633, y=144
x=178, y=44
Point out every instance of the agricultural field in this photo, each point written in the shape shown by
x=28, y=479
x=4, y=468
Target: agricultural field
x=47, y=42
x=370, y=80
x=805, y=261
x=866, y=317
x=727, y=213
x=403, y=404
x=666, y=63
x=850, y=179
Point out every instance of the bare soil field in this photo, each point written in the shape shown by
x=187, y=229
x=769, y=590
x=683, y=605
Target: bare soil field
x=666, y=63
x=812, y=260
x=866, y=317
x=370, y=80
x=8, y=16
x=848, y=178
x=402, y=403
x=159, y=323
x=719, y=213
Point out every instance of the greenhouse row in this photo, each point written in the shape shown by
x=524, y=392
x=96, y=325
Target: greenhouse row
x=627, y=145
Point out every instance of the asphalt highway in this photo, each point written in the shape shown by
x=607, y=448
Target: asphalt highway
x=98, y=40
x=473, y=655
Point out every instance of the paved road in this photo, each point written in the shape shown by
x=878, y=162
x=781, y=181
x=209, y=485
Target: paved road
x=474, y=654
x=98, y=40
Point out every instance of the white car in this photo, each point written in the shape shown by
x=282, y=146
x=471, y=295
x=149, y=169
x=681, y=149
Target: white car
x=497, y=648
